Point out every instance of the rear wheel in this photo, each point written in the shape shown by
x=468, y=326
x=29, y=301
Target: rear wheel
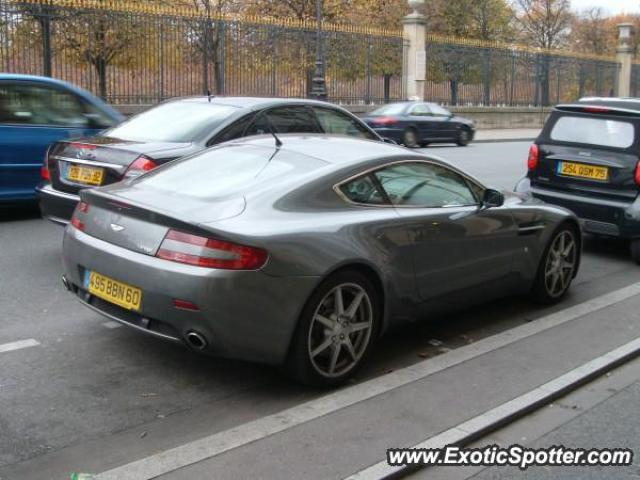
x=336, y=330
x=635, y=251
x=464, y=137
x=557, y=267
x=410, y=138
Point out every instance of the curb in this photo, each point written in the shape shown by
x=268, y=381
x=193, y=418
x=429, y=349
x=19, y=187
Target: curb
x=494, y=419
x=505, y=140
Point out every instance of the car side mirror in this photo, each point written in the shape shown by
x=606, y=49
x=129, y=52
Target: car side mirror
x=492, y=198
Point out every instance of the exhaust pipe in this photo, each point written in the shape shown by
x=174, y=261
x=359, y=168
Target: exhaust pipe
x=65, y=282
x=196, y=340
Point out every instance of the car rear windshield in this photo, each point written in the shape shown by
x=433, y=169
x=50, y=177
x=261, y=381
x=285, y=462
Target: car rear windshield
x=229, y=170
x=173, y=122
x=391, y=109
x=594, y=131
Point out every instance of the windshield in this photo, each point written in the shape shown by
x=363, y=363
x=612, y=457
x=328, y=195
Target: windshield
x=594, y=131
x=173, y=122
x=391, y=109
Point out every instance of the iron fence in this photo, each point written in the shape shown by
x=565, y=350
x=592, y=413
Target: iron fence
x=477, y=73
x=143, y=54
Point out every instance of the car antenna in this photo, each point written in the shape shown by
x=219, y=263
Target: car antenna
x=271, y=129
x=209, y=96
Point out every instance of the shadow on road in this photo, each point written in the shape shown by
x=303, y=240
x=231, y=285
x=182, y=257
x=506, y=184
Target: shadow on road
x=17, y=212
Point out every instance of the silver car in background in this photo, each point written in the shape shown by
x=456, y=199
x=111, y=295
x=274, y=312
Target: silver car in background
x=302, y=252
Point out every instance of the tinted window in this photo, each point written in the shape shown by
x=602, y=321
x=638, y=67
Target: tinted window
x=594, y=131
x=438, y=111
x=222, y=171
x=391, y=109
x=337, y=123
x=31, y=104
x=425, y=184
x=173, y=122
x=363, y=190
x=285, y=120
x=421, y=110
x=236, y=130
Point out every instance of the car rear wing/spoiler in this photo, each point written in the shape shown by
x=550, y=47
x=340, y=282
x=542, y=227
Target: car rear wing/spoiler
x=597, y=109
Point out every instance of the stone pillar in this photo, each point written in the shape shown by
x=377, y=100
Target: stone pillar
x=415, y=29
x=625, y=53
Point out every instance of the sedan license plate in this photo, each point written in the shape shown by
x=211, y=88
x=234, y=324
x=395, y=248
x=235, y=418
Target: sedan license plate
x=583, y=171
x=113, y=291
x=87, y=175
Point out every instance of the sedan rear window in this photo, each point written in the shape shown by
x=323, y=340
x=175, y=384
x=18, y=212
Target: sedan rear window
x=391, y=109
x=594, y=131
x=173, y=122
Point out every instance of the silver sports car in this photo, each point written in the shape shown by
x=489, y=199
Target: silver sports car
x=301, y=252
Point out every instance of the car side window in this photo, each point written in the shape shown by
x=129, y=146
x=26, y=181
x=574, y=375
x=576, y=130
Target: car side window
x=421, y=110
x=423, y=184
x=96, y=117
x=31, y=104
x=438, y=111
x=337, y=123
x=363, y=190
x=297, y=119
x=236, y=130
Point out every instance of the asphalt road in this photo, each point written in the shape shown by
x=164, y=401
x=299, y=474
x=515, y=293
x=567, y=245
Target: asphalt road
x=88, y=383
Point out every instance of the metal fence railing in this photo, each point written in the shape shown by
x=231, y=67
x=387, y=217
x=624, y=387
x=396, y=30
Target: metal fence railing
x=134, y=52
x=482, y=73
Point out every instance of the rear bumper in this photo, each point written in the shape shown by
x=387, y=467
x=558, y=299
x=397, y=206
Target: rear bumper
x=55, y=205
x=247, y=315
x=600, y=216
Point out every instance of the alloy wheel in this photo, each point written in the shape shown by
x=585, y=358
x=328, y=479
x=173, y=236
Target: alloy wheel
x=560, y=264
x=340, y=330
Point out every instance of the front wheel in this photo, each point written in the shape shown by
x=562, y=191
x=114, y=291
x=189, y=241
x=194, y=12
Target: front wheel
x=557, y=267
x=464, y=137
x=410, y=138
x=336, y=330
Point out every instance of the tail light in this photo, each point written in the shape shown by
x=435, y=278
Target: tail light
x=637, y=175
x=534, y=157
x=82, y=207
x=45, y=174
x=385, y=120
x=139, y=166
x=211, y=253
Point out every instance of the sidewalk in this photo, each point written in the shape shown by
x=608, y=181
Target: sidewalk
x=334, y=438
x=506, y=135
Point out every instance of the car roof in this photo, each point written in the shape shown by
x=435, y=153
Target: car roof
x=328, y=148
x=252, y=102
x=616, y=104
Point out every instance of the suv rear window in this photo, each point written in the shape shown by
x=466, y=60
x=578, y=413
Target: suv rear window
x=594, y=131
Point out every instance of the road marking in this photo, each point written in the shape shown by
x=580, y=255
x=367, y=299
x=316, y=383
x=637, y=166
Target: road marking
x=10, y=347
x=218, y=443
x=111, y=325
x=491, y=420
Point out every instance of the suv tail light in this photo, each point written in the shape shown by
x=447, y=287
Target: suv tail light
x=139, y=166
x=211, y=253
x=82, y=207
x=385, y=120
x=637, y=175
x=534, y=156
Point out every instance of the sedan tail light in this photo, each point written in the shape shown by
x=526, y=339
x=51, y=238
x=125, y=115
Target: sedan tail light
x=385, y=121
x=82, y=207
x=45, y=174
x=139, y=166
x=534, y=157
x=637, y=175
x=209, y=252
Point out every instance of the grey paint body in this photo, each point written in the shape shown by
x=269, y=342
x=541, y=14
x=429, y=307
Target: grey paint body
x=425, y=259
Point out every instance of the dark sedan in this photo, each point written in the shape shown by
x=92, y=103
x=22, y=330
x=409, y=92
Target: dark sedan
x=417, y=124
x=174, y=129
x=302, y=250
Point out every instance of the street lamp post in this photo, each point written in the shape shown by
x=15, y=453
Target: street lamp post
x=319, y=85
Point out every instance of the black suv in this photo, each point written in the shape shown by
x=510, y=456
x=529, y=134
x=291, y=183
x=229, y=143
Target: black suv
x=587, y=160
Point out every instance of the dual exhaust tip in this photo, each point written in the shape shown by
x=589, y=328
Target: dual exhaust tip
x=196, y=340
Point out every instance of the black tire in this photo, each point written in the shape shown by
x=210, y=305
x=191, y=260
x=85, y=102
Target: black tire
x=464, y=137
x=308, y=369
x=635, y=250
x=410, y=138
x=542, y=291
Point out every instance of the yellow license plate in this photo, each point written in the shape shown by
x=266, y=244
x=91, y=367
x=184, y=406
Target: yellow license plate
x=583, y=171
x=88, y=175
x=114, y=291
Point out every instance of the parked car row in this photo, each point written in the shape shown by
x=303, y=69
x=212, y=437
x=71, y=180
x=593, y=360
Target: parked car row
x=293, y=233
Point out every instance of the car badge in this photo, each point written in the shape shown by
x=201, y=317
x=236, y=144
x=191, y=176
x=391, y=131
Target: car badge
x=116, y=228
x=585, y=154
